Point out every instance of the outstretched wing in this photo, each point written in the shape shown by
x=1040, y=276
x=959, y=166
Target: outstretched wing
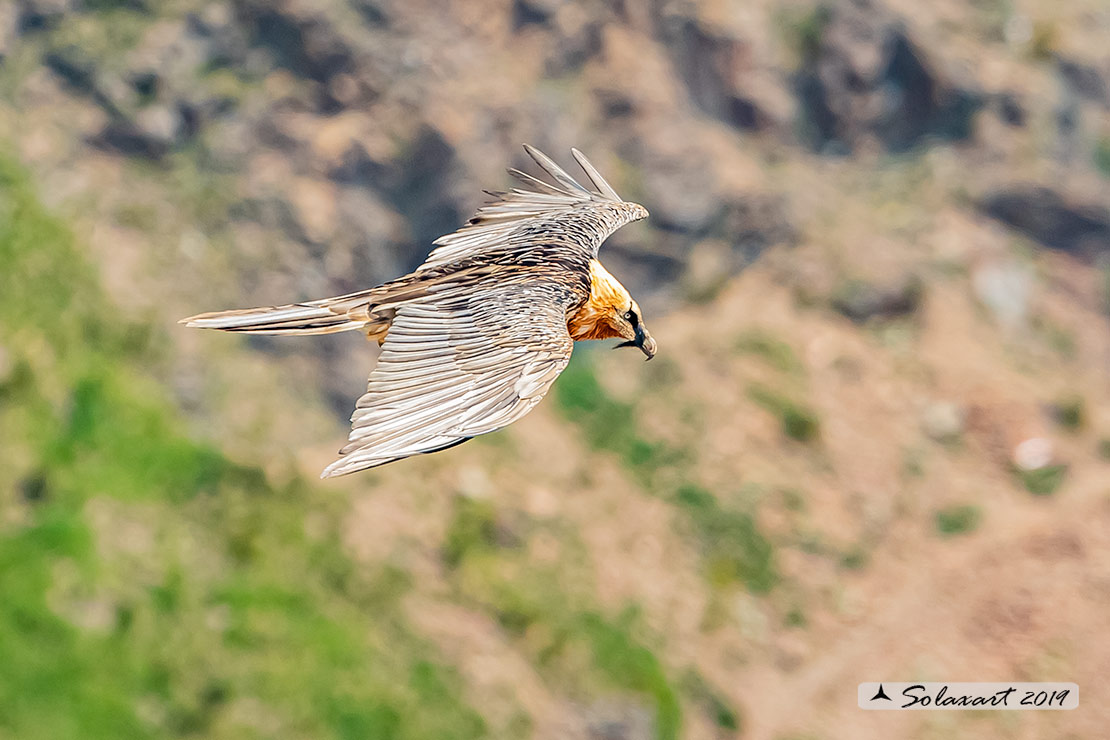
x=458, y=364
x=586, y=217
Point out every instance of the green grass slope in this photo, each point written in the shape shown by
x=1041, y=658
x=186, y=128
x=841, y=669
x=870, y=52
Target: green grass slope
x=152, y=587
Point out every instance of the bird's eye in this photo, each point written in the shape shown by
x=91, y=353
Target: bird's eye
x=632, y=318
x=628, y=316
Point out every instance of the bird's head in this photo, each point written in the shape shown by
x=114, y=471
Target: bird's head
x=610, y=312
x=630, y=325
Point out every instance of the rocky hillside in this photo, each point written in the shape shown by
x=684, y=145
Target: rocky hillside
x=875, y=442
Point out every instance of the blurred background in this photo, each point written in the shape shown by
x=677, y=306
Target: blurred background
x=875, y=443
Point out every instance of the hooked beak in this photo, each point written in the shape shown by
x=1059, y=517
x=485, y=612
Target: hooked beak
x=644, y=341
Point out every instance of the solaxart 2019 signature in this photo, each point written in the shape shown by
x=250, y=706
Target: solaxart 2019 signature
x=954, y=695
x=1002, y=699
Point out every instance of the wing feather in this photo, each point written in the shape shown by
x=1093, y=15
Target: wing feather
x=555, y=170
x=458, y=365
x=566, y=206
x=537, y=183
x=599, y=182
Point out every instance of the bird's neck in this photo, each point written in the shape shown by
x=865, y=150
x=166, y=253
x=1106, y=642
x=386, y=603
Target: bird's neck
x=593, y=319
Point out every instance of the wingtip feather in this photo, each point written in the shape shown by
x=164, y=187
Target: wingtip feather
x=549, y=165
x=347, y=465
x=602, y=185
x=333, y=469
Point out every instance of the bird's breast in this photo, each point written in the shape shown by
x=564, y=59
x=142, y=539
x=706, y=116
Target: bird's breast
x=588, y=323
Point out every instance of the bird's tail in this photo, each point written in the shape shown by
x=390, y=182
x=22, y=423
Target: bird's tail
x=325, y=316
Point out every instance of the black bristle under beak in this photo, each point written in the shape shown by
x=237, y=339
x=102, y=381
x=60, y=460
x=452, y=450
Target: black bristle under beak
x=643, y=342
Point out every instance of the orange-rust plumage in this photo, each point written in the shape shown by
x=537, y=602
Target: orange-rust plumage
x=598, y=317
x=474, y=338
